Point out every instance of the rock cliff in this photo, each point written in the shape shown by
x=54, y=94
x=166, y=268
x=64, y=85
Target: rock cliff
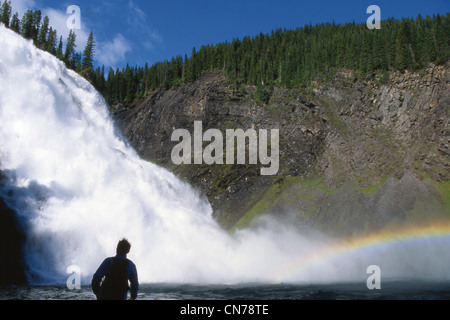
x=11, y=242
x=356, y=154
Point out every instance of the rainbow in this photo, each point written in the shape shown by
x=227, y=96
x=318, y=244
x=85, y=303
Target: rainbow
x=386, y=239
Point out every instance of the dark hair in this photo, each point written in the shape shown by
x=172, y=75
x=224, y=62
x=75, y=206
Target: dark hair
x=123, y=247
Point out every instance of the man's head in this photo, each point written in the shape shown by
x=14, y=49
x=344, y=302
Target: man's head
x=123, y=247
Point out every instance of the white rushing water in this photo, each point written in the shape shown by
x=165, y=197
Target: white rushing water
x=78, y=188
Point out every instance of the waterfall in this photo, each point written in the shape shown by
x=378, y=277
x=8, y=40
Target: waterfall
x=78, y=188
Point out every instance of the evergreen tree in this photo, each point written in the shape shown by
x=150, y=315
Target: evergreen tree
x=441, y=37
x=43, y=33
x=401, y=51
x=263, y=93
x=76, y=63
x=5, y=12
x=36, y=25
x=27, y=23
x=128, y=84
x=88, y=54
x=59, y=50
x=15, y=23
x=69, y=54
x=51, y=42
x=109, y=87
x=283, y=57
x=101, y=82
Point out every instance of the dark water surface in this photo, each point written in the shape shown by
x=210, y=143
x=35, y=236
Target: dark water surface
x=392, y=290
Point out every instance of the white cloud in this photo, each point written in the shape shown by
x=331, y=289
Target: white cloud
x=58, y=20
x=110, y=53
x=136, y=16
x=137, y=20
x=21, y=6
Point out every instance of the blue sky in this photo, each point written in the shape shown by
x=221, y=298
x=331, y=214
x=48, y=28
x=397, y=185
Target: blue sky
x=139, y=31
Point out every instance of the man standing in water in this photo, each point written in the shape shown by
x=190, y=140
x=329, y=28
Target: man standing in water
x=115, y=273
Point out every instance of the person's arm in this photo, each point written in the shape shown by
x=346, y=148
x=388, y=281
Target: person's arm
x=98, y=276
x=134, y=282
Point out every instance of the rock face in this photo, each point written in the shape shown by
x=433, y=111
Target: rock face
x=12, y=270
x=355, y=154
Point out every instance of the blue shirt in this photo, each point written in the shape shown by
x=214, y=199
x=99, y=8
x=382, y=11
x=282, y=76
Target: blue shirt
x=104, y=268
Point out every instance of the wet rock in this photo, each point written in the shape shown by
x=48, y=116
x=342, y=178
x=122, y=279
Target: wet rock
x=12, y=268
